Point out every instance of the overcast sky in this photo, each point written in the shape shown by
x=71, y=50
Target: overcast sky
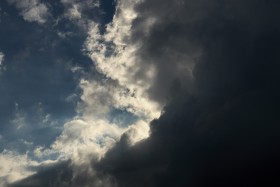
x=139, y=93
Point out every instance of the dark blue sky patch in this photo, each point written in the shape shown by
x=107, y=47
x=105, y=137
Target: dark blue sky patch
x=29, y=127
x=108, y=8
x=122, y=117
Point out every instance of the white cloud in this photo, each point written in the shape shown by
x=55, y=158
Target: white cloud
x=83, y=140
x=14, y=166
x=99, y=97
x=86, y=142
x=138, y=132
x=115, y=57
x=74, y=10
x=32, y=10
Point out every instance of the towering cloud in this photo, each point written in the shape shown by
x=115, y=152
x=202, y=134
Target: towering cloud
x=213, y=65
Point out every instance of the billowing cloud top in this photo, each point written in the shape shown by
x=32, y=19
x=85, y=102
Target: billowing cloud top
x=140, y=93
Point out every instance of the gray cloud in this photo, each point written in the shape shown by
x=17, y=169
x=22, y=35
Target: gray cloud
x=222, y=130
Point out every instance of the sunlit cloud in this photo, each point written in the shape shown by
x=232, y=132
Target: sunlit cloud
x=14, y=166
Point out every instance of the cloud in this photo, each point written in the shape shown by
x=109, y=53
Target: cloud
x=82, y=13
x=100, y=97
x=90, y=134
x=213, y=65
x=2, y=58
x=219, y=128
x=74, y=12
x=115, y=57
x=81, y=144
x=32, y=10
x=14, y=167
x=81, y=138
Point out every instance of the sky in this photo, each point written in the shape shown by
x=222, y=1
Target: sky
x=133, y=93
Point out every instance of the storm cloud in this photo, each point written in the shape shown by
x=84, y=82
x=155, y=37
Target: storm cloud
x=213, y=68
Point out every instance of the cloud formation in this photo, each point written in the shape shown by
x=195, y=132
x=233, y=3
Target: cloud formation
x=219, y=128
x=114, y=55
x=212, y=64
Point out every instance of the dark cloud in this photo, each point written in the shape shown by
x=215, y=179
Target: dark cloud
x=221, y=126
x=222, y=132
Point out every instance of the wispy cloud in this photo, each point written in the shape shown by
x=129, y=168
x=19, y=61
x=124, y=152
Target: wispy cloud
x=80, y=12
x=32, y=10
x=2, y=58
